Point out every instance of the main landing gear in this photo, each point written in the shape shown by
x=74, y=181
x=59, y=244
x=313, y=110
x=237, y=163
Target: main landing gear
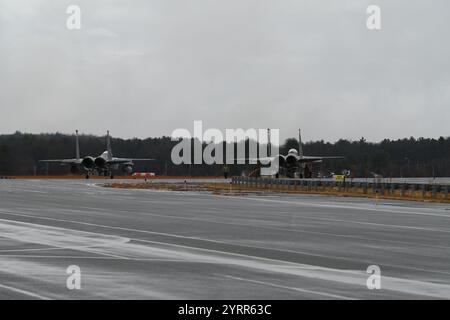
x=106, y=173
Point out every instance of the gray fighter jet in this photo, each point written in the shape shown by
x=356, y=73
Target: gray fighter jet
x=294, y=163
x=103, y=164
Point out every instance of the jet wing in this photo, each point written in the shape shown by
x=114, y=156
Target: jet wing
x=63, y=161
x=255, y=160
x=306, y=159
x=126, y=160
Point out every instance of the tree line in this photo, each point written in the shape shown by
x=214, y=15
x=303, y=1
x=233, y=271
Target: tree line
x=409, y=157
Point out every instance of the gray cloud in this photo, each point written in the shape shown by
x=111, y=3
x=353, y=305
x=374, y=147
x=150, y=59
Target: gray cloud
x=144, y=68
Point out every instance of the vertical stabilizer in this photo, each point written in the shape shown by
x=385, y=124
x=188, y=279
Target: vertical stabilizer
x=108, y=144
x=77, y=145
x=300, y=146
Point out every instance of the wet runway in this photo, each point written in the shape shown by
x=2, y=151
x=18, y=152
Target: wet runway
x=148, y=244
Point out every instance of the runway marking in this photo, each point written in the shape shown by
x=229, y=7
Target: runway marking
x=356, y=206
x=196, y=238
x=380, y=209
x=278, y=260
x=378, y=224
x=298, y=230
x=353, y=207
x=25, y=292
x=32, y=249
x=350, y=277
x=57, y=257
x=61, y=238
x=151, y=232
x=106, y=257
x=330, y=295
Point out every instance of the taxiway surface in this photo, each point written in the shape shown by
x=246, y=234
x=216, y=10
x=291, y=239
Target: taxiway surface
x=150, y=244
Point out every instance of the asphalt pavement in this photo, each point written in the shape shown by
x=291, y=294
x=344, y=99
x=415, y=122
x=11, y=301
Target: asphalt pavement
x=153, y=244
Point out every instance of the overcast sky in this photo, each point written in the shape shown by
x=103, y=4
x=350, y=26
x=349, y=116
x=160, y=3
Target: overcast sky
x=145, y=68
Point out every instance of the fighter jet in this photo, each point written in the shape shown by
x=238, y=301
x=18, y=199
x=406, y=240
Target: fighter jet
x=104, y=164
x=295, y=163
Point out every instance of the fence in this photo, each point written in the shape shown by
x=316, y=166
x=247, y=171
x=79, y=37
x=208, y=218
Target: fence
x=384, y=189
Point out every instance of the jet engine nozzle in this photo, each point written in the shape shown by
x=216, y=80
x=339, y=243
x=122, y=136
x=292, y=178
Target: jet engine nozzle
x=291, y=160
x=280, y=161
x=88, y=162
x=100, y=162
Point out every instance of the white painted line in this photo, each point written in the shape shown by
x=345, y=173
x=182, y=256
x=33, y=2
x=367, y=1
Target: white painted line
x=62, y=238
x=382, y=209
x=24, y=292
x=320, y=293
